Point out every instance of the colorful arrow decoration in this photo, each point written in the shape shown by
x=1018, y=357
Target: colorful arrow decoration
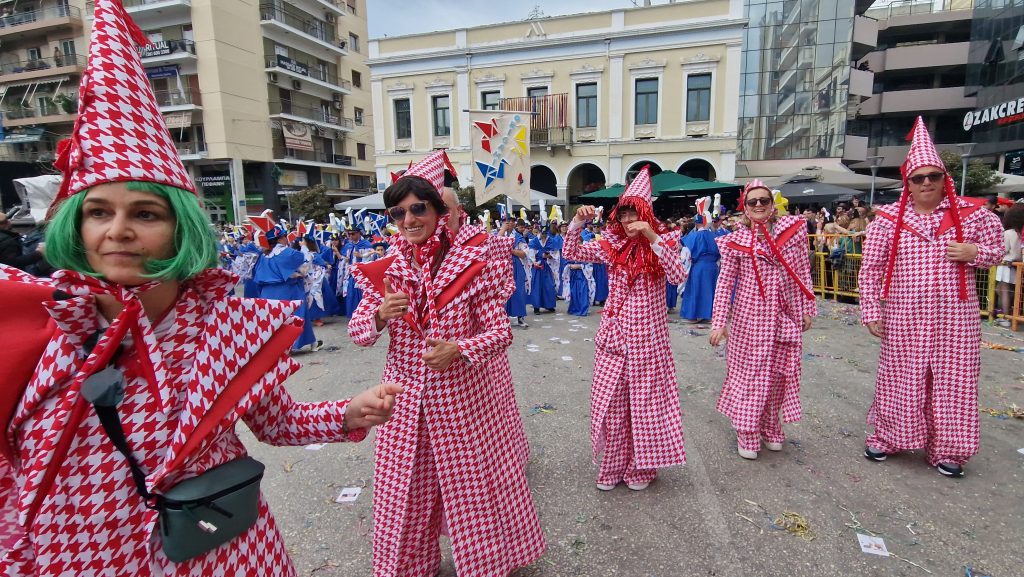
x=501, y=155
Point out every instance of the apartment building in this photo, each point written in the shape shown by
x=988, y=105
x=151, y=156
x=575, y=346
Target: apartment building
x=919, y=68
x=261, y=100
x=613, y=91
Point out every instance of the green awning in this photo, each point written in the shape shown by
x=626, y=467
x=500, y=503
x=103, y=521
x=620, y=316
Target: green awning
x=671, y=184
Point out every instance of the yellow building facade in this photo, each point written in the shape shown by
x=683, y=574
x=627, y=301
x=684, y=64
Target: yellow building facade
x=616, y=90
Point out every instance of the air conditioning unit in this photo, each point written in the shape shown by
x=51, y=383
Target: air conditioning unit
x=329, y=16
x=297, y=84
x=272, y=76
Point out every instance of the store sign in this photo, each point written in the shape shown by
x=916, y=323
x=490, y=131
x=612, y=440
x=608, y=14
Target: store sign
x=1002, y=114
x=162, y=71
x=1014, y=163
x=297, y=136
x=294, y=178
x=292, y=66
x=178, y=120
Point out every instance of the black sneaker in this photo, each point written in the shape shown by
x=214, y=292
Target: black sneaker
x=536, y=311
x=521, y=322
x=874, y=455
x=950, y=470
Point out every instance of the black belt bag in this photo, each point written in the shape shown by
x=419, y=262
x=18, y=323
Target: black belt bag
x=199, y=514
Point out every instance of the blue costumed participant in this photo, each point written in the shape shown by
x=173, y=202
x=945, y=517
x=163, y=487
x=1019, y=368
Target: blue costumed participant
x=281, y=275
x=329, y=288
x=579, y=287
x=699, y=294
x=516, y=305
x=545, y=254
x=245, y=262
x=353, y=252
x=558, y=233
x=316, y=277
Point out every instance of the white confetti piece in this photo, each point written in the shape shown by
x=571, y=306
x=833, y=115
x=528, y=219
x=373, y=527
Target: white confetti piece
x=872, y=545
x=348, y=495
x=566, y=358
x=564, y=342
x=315, y=446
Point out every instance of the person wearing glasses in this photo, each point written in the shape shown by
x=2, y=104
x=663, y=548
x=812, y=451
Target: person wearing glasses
x=636, y=420
x=762, y=306
x=918, y=295
x=445, y=465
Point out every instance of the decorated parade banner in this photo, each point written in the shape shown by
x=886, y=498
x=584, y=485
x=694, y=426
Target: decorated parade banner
x=501, y=154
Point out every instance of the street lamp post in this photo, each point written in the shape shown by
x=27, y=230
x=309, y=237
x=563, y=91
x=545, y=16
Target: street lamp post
x=874, y=162
x=965, y=153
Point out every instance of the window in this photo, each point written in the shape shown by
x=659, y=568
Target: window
x=357, y=79
x=353, y=42
x=360, y=151
x=586, y=105
x=68, y=47
x=537, y=91
x=442, y=117
x=332, y=180
x=698, y=98
x=358, y=182
x=358, y=113
x=403, y=119
x=646, y=101
x=35, y=54
x=489, y=100
x=281, y=50
x=352, y=7
x=46, y=106
x=155, y=36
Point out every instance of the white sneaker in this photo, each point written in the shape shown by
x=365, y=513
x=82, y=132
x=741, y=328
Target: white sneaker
x=638, y=486
x=1003, y=323
x=772, y=446
x=746, y=454
x=605, y=487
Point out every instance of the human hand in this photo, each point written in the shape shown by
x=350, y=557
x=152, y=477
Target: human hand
x=642, y=227
x=876, y=328
x=961, y=252
x=585, y=213
x=717, y=335
x=808, y=320
x=442, y=355
x=394, y=306
x=372, y=406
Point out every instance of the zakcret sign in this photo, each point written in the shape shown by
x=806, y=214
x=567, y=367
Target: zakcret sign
x=1008, y=112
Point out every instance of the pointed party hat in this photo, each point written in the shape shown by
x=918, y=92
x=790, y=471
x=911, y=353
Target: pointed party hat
x=431, y=169
x=640, y=188
x=119, y=134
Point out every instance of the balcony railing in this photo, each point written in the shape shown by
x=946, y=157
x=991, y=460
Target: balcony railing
x=280, y=152
x=551, y=136
x=549, y=117
x=167, y=47
x=190, y=148
x=175, y=98
x=319, y=29
x=140, y=3
x=308, y=112
x=304, y=67
x=42, y=64
x=25, y=18
x=22, y=113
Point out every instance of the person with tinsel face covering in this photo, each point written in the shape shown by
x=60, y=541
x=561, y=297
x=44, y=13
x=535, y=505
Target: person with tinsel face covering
x=763, y=302
x=636, y=420
x=918, y=295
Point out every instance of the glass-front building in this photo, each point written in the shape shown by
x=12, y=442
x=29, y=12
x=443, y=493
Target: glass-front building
x=796, y=75
x=994, y=76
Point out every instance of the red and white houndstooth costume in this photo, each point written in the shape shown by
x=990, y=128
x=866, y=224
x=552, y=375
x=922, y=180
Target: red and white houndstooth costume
x=926, y=391
x=765, y=321
x=92, y=521
x=443, y=459
x=636, y=420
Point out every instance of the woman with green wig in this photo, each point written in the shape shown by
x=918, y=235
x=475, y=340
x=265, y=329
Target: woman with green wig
x=136, y=361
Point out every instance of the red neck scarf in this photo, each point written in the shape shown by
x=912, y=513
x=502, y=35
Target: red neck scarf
x=635, y=255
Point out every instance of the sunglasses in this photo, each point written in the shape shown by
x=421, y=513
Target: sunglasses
x=932, y=177
x=759, y=201
x=417, y=209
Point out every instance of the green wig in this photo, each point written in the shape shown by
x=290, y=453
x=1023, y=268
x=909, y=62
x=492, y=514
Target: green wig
x=195, y=245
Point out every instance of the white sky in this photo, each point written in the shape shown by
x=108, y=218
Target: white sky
x=403, y=17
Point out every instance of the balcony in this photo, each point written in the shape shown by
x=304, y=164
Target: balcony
x=927, y=56
x=156, y=13
x=861, y=82
x=549, y=118
x=918, y=100
x=23, y=25
x=310, y=157
x=305, y=71
x=284, y=109
x=191, y=150
x=168, y=51
x=865, y=36
x=174, y=101
x=40, y=68
x=290, y=27
x=16, y=116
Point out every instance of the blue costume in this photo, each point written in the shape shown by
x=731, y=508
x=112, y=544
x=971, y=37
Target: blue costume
x=280, y=276
x=352, y=293
x=600, y=271
x=671, y=295
x=247, y=256
x=578, y=290
x=699, y=296
x=516, y=305
x=543, y=286
x=330, y=287
x=316, y=279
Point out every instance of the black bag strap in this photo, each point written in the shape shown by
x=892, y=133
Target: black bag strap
x=111, y=422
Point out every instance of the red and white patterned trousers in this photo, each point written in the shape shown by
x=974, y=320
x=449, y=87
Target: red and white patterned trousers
x=617, y=462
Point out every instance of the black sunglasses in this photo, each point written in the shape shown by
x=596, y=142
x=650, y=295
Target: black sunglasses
x=417, y=209
x=932, y=177
x=761, y=201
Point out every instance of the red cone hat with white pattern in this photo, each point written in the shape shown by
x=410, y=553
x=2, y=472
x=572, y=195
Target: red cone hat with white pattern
x=430, y=169
x=640, y=188
x=119, y=134
x=922, y=150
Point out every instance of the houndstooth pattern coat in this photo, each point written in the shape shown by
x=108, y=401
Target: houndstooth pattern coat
x=92, y=521
x=484, y=496
x=632, y=347
x=927, y=329
x=765, y=345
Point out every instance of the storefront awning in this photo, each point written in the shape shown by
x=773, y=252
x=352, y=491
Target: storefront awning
x=53, y=80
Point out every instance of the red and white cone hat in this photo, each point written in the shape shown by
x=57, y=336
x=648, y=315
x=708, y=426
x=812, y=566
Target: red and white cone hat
x=431, y=169
x=640, y=188
x=119, y=134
